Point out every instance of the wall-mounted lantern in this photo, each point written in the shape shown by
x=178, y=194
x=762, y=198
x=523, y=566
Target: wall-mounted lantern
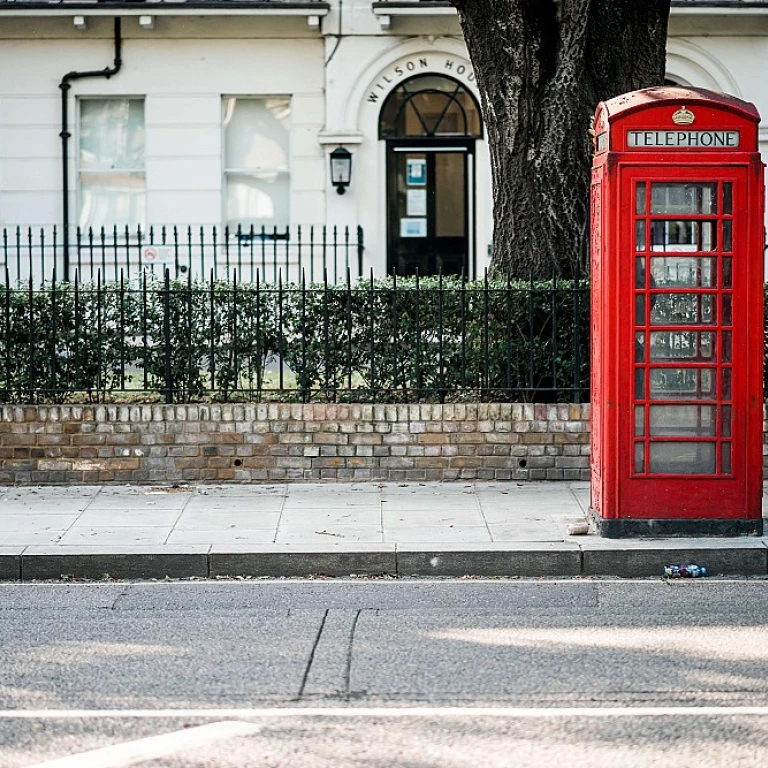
x=341, y=169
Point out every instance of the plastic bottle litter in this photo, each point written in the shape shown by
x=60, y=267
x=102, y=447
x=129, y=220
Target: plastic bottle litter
x=578, y=528
x=691, y=571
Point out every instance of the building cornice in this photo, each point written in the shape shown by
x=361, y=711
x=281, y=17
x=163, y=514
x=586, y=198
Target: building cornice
x=311, y=9
x=385, y=10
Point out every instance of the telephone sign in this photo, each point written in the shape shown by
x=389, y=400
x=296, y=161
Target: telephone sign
x=684, y=139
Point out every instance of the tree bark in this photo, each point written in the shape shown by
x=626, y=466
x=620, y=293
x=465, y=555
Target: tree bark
x=542, y=66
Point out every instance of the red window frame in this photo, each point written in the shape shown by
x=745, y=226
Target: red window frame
x=635, y=451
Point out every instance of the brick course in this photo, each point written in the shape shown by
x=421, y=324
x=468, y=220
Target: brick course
x=279, y=442
x=289, y=443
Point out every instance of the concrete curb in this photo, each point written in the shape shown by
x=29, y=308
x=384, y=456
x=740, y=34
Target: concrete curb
x=526, y=559
x=113, y=565
x=299, y=564
x=522, y=560
x=635, y=559
x=10, y=567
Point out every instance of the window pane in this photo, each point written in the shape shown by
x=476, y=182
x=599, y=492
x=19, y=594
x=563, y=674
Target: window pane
x=256, y=133
x=639, y=421
x=685, y=272
x=443, y=115
x=727, y=309
x=112, y=199
x=696, y=346
x=727, y=236
x=683, y=458
x=727, y=347
x=683, y=308
x=429, y=105
x=639, y=273
x=683, y=421
x=683, y=384
x=640, y=309
x=683, y=236
x=727, y=273
x=640, y=236
x=258, y=199
x=725, y=417
x=725, y=393
x=726, y=467
x=450, y=202
x=728, y=198
x=639, y=457
x=640, y=347
x=683, y=198
x=112, y=134
x=640, y=198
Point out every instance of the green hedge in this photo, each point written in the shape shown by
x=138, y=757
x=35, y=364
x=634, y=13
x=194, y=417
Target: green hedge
x=443, y=340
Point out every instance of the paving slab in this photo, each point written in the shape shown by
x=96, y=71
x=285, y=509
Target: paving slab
x=301, y=534
x=347, y=516
x=222, y=491
x=130, y=502
x=32, y=537
x=230, y=503
x=45, y=506
x=31, y=492
x=526, y=531
x=15, y=521
x=234, y=535
x=434, y=534
x=115, y=536
x=121, y=518
x=220, y=520
x=438, y=518
x=332, y=501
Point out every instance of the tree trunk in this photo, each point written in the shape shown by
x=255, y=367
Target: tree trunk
x=542, y=66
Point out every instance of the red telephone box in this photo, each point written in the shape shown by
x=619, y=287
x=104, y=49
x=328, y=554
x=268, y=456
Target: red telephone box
x=677, y=315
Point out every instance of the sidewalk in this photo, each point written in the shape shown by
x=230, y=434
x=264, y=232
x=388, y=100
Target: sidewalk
x=426, y=529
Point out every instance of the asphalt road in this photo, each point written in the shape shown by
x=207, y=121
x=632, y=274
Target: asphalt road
x=420, y=674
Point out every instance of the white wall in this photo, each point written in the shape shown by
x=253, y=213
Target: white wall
x=182, y=78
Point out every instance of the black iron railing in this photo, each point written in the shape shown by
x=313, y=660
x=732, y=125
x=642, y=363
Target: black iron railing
x=396, y=340
x=191, y=251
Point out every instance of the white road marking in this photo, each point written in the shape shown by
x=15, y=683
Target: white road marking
x=151, y=748
x=384, y=712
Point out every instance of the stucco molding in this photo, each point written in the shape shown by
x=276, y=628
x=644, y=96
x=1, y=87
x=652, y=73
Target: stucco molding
x=697, y=66
x=362, y=115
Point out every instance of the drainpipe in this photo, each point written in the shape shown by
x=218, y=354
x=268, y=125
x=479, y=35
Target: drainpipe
x=338, y=36
x=65, y=135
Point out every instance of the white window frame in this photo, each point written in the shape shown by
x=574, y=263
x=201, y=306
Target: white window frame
x=228, y=172
x=79, y=172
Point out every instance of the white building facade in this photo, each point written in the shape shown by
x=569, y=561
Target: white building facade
x=223, y=114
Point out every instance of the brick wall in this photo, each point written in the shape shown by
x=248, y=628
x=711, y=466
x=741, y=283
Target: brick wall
x=264, y=443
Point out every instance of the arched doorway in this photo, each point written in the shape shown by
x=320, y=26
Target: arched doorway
x=430, y=124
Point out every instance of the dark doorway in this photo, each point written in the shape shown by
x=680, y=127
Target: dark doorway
x=428, y=196
x=430, y=124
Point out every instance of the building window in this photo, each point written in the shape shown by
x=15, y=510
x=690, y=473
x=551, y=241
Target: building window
x=111, y=163
x=256, y=161
x=430, y=106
